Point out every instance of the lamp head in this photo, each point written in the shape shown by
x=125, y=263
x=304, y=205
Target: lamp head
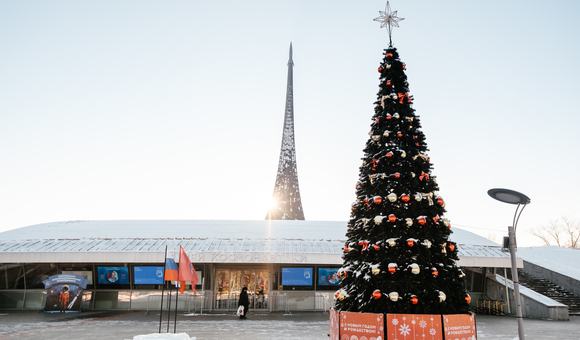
x=508, y=196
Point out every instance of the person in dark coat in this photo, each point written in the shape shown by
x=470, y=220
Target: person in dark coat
x=244, y=301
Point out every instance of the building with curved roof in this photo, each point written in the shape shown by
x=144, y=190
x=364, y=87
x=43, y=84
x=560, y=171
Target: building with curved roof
x=290, y=262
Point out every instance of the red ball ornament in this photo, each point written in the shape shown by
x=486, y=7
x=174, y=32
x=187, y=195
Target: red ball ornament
x=389, y=54
x=392, y=269
x=397, y=175
x=399, y=134
x=389, y=83
x=380, y=69
x=468, y=299
x=392, y=218
x=435, y=272
x=417, y=144
x=411, y=243
x=405, y=198
x=422, y=220
x=336, y=294
x=440, y=201
x=389, y=154
x=376, y=120
x=404, y=66
x=345, y=249
x=377, y=294
x=376, y=247
x=378, y=200
x=414, y=299
x=451, y=247
x=388, y=116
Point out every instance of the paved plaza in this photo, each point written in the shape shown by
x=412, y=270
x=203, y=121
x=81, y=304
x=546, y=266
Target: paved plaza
x=260, y=326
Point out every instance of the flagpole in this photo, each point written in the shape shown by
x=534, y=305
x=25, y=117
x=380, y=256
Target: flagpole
x=175, y=323
x=169, y=317
x=162, y=292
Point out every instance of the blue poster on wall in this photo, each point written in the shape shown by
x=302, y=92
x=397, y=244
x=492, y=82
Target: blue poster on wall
x=148, y=275
x=64, y=293
x=296, y=276
x=113, y=275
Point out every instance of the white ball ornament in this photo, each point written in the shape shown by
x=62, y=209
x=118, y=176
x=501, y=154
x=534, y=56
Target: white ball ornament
x=392, y=197
x=386, y=133
x=415, y=268
x=394, y=296
x=442, y=296
x=392, y=242
x=427, y=243
x=388, y=66
x=409, y=221
x=396, y=115
x=403, y=154
x=418, y=197
x=375, y=269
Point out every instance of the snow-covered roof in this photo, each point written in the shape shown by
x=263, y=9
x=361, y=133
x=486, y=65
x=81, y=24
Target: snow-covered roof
x=205, y=241
x=558, y=259
x=164, y=229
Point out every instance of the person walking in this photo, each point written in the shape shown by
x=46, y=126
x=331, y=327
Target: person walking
x=244, y=301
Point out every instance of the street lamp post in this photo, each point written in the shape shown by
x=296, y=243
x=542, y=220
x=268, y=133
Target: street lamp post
x=513, y=197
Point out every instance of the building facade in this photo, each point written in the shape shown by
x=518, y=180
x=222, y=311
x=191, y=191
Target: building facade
x=286, y=265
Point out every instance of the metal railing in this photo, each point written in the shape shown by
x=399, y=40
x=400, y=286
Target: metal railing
x=275, y=301
x=203, y=302
x=491, y=307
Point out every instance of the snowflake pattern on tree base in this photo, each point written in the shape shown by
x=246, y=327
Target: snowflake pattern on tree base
x=373, y=326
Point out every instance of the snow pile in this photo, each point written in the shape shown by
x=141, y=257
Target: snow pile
x=561, y=260
x=164, y=336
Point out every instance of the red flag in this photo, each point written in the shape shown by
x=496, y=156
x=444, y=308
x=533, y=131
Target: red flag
x=186, y=271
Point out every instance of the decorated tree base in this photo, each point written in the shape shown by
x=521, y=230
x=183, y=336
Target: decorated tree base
x=373, y=326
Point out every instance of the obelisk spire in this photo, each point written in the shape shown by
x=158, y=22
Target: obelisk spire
x=286, y=197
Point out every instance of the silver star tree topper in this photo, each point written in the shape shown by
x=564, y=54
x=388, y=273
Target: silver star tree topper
x=389, y=20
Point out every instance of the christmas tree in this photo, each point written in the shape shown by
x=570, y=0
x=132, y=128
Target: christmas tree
x=398, y=257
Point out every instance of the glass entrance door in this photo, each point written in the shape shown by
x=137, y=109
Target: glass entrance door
x=229, y=284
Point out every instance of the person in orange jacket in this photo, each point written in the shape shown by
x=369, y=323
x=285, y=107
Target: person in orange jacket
x=63, y=298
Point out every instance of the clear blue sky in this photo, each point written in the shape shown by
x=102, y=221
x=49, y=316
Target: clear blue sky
x=174, y=109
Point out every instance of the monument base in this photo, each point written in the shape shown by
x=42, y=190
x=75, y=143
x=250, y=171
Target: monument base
x=372, y=326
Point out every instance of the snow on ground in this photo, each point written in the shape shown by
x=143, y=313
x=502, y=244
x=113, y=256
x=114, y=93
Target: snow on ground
x=561, y=260
x=298, y=326
x=168, y=336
